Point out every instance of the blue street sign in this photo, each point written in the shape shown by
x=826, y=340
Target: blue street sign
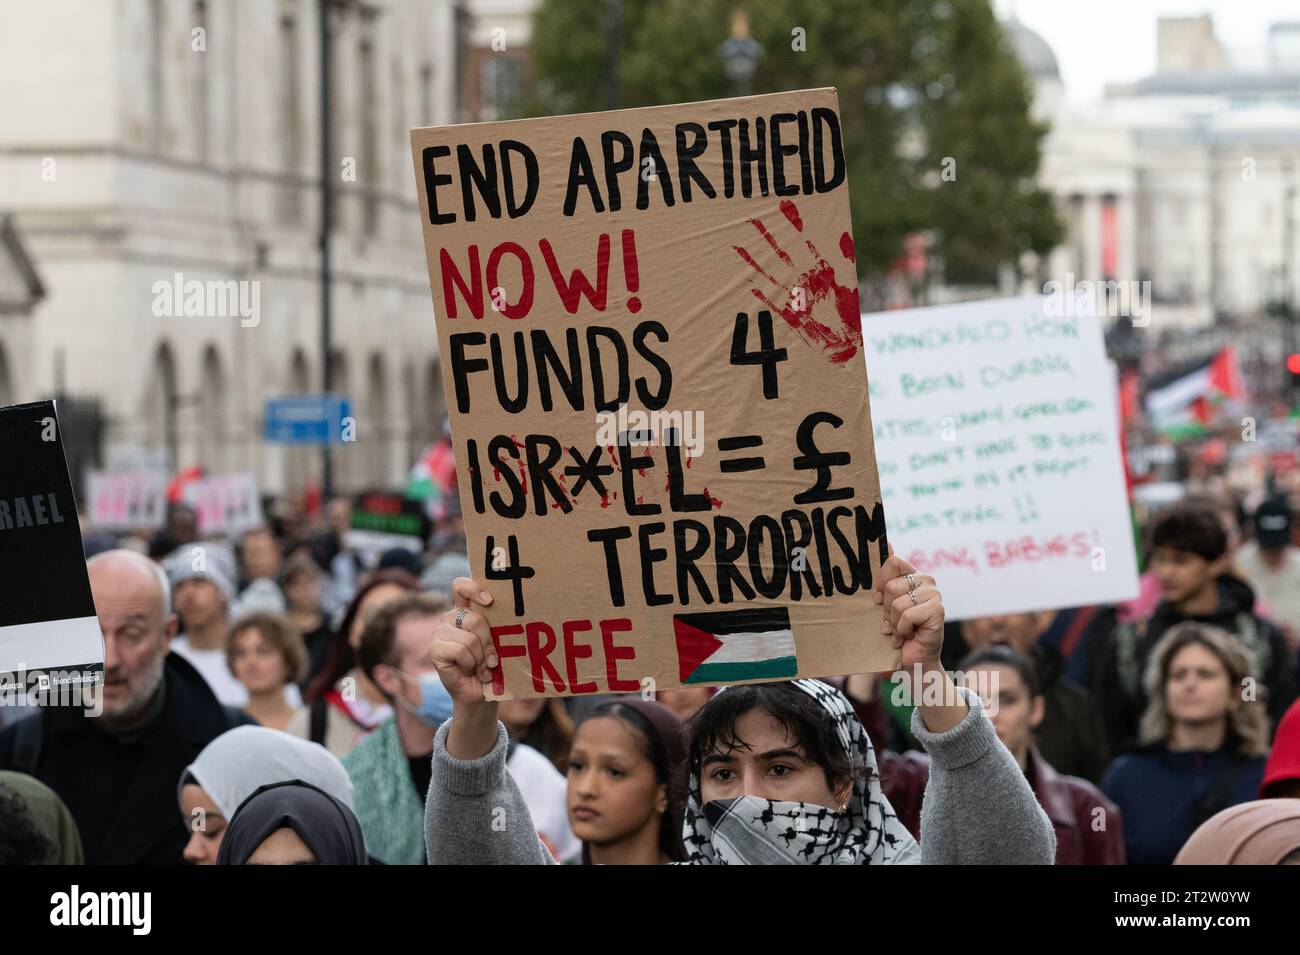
x=305, y=419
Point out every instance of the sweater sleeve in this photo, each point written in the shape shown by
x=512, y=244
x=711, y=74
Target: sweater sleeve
x=475, y=814
x=978, y=807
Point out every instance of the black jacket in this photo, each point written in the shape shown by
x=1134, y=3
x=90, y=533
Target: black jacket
x=1071, y=737
x=1119, y=692
x=122, y=791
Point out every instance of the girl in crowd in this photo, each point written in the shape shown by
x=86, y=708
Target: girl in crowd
x=266, y=655
x=1008, y=686
x=233, y=766
x=1266, y=832
x=625, y=793
x=300, y=579
x=343, y=706
x=293, y=823
x=1204, y=745
x=543, y=724
x=778, y=772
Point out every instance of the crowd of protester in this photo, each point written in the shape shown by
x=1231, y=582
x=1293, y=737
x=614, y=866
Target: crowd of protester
x=282, y=698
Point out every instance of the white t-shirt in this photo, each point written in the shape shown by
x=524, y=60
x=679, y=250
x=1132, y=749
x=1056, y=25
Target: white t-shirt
x=1279, y=589
x=545, y=792
x=214, y=668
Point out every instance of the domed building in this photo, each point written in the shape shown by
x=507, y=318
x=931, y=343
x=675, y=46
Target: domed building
x=1177, y=180
x=1039, y=63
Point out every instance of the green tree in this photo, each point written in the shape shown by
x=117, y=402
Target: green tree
x=920, y=82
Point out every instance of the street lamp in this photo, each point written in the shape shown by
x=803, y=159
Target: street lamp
x=740, y=53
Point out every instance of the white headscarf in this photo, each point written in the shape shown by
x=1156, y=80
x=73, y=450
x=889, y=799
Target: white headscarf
x=242, y=760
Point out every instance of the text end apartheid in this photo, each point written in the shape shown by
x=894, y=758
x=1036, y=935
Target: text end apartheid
x=653, y=367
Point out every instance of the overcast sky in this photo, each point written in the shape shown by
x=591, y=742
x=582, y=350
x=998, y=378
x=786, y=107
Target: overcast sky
x=1105, y=41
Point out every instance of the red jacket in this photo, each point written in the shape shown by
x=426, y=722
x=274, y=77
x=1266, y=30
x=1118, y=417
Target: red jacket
x=1087, y=824
x=1284, y=761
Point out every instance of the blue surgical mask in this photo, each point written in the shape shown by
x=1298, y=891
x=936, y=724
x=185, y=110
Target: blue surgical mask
x=435, y=701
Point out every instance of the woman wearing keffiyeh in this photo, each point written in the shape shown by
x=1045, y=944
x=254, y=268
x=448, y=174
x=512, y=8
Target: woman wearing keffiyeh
x=853, y=825
x=779, y=772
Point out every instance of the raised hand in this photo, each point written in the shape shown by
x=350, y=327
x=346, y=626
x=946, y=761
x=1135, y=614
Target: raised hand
x=464, y=656
x=913, y=615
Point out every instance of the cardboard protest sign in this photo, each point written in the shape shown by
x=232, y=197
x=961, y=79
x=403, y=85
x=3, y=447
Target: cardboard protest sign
x=225, y=504
x=49, y=634
x=651, y=349
x=998, y=443
x=132, y=500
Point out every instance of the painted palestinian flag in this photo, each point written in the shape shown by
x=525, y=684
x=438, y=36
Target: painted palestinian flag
x=1184, y=402
x=733, y=645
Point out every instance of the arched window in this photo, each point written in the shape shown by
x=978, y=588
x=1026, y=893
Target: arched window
x=160, y=405
x=298, y=461
x=299, y=373
x=435, y=406
x=379, y=427
x=212, y=438
x=344, y=456
x=411, y=417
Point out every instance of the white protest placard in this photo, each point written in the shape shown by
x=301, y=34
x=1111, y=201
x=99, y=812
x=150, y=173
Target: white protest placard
x=132, y=500
x=998, y=447
x=225, y=504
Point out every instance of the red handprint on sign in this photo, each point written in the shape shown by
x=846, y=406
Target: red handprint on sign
x=800, y=294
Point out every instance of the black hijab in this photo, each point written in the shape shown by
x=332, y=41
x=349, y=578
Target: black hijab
x=328, y=827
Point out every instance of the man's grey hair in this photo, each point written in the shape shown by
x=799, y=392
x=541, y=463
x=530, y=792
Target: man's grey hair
x=164, y=586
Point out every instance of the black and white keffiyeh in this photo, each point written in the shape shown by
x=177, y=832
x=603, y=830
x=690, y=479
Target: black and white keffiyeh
x=755, y=831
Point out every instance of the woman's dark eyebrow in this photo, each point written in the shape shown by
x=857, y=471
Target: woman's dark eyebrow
x=718, y=758
x=782, y=754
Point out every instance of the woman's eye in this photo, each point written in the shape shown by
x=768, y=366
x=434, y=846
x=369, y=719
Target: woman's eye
x=575, y=767
x=721, y=775
x=781, y=770
x=617, y=773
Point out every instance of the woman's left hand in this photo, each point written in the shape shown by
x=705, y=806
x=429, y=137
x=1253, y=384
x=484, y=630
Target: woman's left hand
x=914, y=621
x=913, y=615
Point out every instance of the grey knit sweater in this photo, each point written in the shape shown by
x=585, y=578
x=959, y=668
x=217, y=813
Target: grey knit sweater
x=978, y=807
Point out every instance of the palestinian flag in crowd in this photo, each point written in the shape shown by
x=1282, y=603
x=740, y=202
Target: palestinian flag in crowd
x=1184, y=402
x=433, y=478
x=733, y=645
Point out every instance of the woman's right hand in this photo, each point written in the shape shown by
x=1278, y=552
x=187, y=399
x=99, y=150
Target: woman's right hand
x=464, y=657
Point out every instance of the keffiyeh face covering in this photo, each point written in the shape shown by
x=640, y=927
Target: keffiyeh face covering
x=751, y=830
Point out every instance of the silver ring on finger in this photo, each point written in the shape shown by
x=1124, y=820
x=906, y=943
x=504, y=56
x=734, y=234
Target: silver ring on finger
x=911, y=585
x=459, y=619
x=912, y=594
